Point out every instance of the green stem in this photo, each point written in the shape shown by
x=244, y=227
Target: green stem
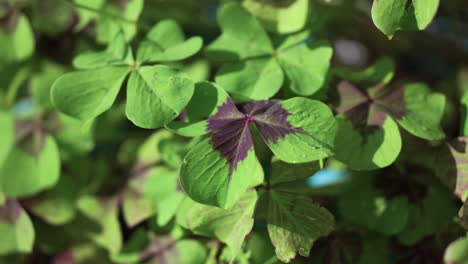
x=15, y=85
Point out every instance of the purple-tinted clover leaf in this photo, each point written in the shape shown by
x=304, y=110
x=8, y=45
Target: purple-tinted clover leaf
x=463, y=214
x=217, y=170
x=144, y=247
x=153, y=189
x=206, y=99
x=81, y=253
x=103, y=213
x=369, y=137
x=413, y=106
x=452, y=166
x=16, y=229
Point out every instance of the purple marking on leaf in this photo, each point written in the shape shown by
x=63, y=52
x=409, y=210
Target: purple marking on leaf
x=375, y=116
x=355, y=105
x=452, y=161
x=371, y=109
x=227, y=113
x=179, y=186
x=66, y=257
x=464, y=214
x=160, y=250
x=273, y=124
x=232, y=136
x=10, y=211
x=393, y=102
x=233, y=142
x=254, y=107
x=182, y=117
x=350, y=97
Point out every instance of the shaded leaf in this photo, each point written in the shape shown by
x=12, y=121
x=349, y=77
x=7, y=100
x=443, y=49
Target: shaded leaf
x=58, y=205
x=82, y=253
x=279, y=17
x=260, y=246
x=148, y=152
x=104, y=212
x=287, y=172
x=365, y=206
x=463, y=214
x=148, y=248
x=108, y=26
x=230, y=226
x=294, y=223
x=173, y=152
x=41, y=82
x=145, y=191
x=380, y=71
x=85, y=15
x=71, y=139
x=375, y=149
x=375, y=251
x=435, y=211
x=452, y=165
x=305, y=62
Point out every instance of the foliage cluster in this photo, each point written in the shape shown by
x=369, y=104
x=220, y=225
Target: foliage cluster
x=253, y=131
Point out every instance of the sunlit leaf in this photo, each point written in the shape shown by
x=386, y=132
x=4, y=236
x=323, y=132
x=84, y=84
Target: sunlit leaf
x=30, y=167
x=166, y=42
x=156, y=95
x=393, y=15
x=18, y=42
x=86, y=94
